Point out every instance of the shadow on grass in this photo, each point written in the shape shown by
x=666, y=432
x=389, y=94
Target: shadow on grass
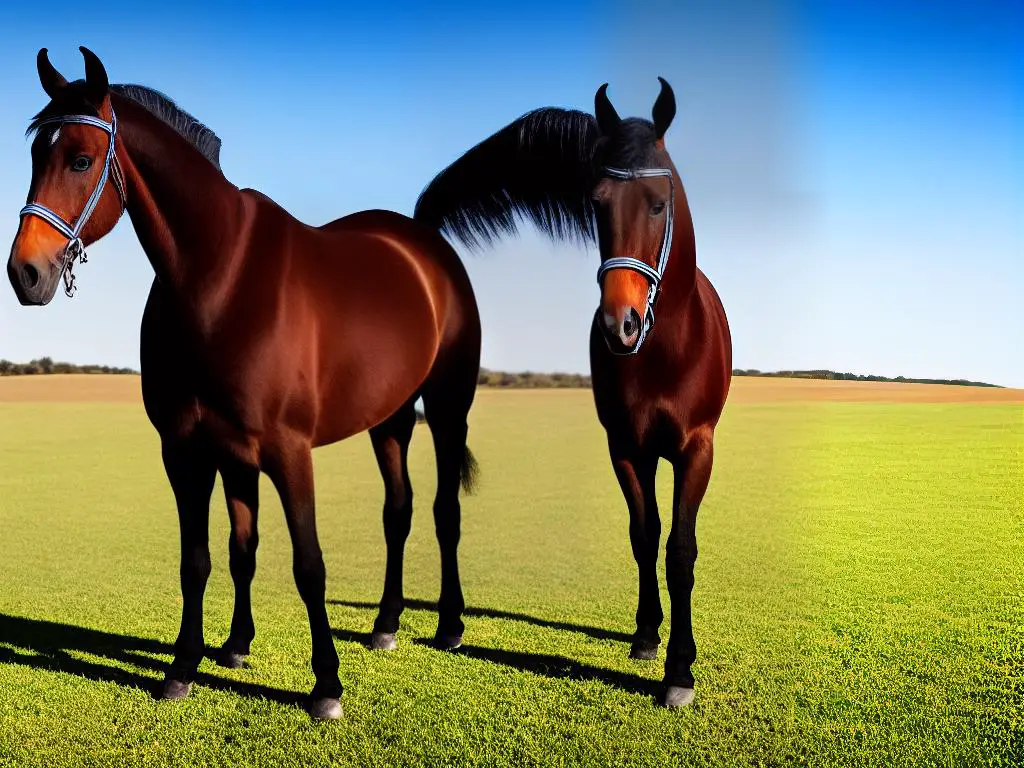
x=556, y=667
x=45, y=645
x=492, y=613
x=546, y=665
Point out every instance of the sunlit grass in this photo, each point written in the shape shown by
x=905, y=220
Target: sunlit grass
x=858, y=600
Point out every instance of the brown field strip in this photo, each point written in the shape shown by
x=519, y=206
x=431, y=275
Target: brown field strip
x=71, y=388
x=100, y=388
x=750, y=389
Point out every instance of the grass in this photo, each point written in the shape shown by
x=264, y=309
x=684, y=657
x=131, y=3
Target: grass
x=858, y=599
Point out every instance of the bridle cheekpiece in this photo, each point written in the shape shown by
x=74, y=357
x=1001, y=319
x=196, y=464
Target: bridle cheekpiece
x=111, y=169
x=653, y=275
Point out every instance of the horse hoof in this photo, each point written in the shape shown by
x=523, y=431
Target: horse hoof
x=174, y=690
x=676, y=696
x=642, y=651
x=325, y=709
x=448, y=642
x=232, y=660
x=383, y=641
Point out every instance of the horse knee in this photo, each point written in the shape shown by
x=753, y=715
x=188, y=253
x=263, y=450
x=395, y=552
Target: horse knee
x=310, y=577
x=242, y=556
x=397, y=521
x=244, y=541
x=397, y=497
x=195, y=564
x=447, y=524
x=679, y=563
x=681, y=552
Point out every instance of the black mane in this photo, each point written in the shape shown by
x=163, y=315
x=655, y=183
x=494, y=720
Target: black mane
x=163, y=107
x=157, y=104
x=541, y=167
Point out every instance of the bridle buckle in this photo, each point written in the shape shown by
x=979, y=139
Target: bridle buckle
x=74, y=250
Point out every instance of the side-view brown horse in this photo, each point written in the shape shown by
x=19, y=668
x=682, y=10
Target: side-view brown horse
x=262, y=338
x=659, y=389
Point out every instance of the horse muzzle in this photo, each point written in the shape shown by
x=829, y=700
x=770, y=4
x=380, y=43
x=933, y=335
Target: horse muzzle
x=622, y=329
x=34, y=282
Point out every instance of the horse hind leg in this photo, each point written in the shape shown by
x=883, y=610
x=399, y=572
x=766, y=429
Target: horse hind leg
x=447, y=400
x=391, y=447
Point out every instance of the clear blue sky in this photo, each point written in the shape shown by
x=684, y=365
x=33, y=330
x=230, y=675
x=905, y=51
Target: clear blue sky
x=855, y=170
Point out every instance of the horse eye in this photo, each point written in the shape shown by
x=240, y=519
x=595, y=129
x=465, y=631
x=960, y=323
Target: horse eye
x=657, y=208
x=81, y=163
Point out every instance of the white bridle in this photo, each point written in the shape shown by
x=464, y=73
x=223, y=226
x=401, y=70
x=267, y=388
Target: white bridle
x=652, y=274
x=111, y=169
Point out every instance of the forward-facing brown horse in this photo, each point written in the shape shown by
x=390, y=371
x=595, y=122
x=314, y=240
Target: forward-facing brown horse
x=659, y=389
x=262, y=339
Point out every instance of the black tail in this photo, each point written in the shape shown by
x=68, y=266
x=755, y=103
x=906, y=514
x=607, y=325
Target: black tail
x=469, y=473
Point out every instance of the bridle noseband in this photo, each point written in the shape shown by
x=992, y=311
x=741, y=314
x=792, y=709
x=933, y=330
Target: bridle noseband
x=652, y=274
x=111, y=169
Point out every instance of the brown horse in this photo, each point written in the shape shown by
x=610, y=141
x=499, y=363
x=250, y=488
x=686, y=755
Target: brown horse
x=659, y=393
x=262, y=339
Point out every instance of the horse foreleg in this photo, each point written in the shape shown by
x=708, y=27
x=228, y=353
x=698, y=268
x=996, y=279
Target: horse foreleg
x=241, y=490
x=692, y=474
x=636, y=475
x=191, y=472
x=290, y=467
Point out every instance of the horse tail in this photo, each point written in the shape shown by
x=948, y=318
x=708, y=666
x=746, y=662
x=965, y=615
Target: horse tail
x=469, y=472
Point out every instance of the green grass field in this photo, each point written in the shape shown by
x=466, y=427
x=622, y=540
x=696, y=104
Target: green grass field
x=859, y=599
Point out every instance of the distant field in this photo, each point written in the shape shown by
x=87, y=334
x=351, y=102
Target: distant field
x=858, y=601
x=745, y=389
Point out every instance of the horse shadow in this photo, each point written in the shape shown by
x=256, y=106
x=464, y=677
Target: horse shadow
x=545, y=665
x=49, y=645
x=597, y=633
x=56, y=647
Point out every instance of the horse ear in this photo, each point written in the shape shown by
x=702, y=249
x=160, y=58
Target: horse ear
x=53, y=82
x=607, y=118
x=664, y=109
x=95, y=76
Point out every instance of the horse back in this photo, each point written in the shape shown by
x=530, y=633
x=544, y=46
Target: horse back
x=429, y=253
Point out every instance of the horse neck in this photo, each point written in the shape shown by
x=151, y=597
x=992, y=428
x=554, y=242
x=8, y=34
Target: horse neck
x=185, y=212
x=680, y=279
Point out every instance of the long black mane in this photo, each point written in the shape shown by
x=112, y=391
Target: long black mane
x=542, y=168
x=157, y=104
x=538, y=167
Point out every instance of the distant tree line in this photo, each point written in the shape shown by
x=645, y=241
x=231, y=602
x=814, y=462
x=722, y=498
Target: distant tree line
x=529, y=380
x=504, y=379
x=46, y=365
x=834, y=376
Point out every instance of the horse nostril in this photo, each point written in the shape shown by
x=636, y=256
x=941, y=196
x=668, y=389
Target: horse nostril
x=29, y=276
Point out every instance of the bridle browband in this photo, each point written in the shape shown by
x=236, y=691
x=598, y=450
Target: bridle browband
x=111, y=169
x=652, y=274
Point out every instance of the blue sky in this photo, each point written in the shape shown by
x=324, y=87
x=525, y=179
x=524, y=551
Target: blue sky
x=855, y=170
